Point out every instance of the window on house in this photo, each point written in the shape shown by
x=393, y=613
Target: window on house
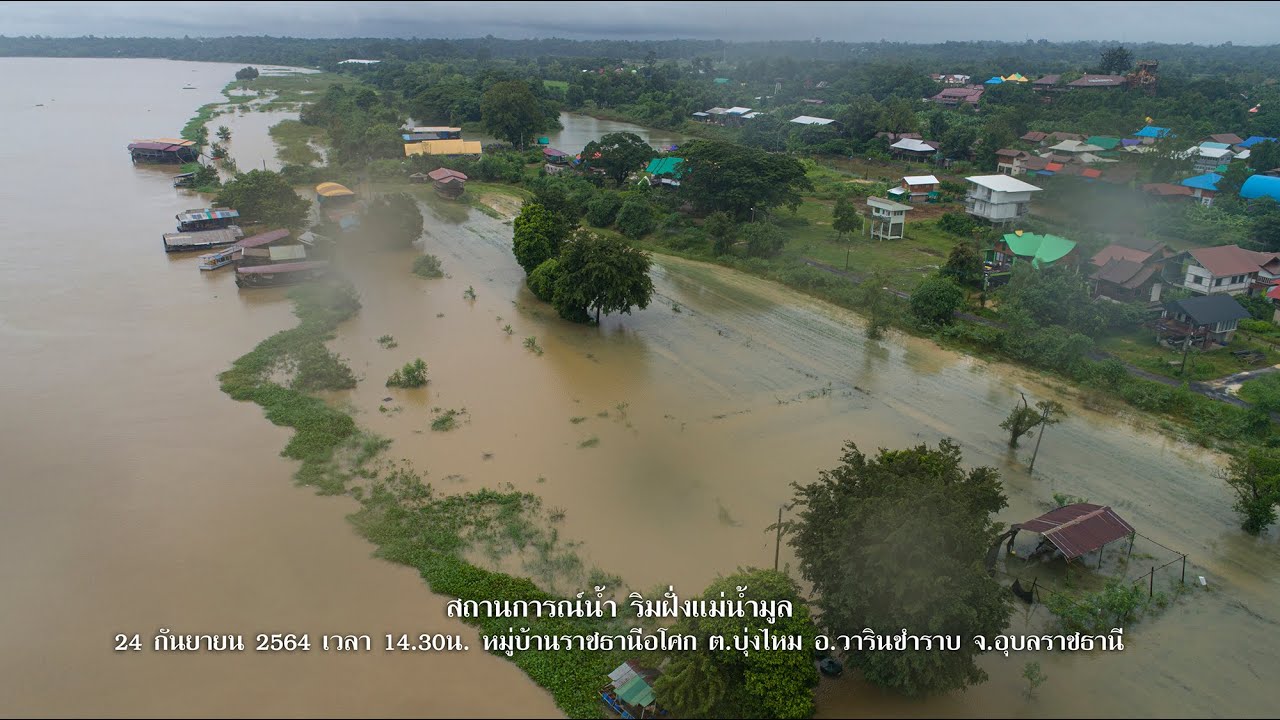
x=1219, y=282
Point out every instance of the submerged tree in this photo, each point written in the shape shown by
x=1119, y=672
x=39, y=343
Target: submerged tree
x=393, y=220
x=875, y=302
x=224, y=133
x=726, y=683
x=247, y=73
x=266, y=197
x=898, y=540
x=537, y=236
x=600, y=275
x=1254, y=476
x=1023, y=419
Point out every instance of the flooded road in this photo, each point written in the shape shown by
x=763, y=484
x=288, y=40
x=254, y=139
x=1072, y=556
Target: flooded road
x=729, y=388
x=138, y=496
x=577, y=130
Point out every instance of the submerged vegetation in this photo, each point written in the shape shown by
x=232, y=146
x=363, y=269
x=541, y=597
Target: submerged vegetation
x=427, y=266
x=412, y=375
x=408, y=521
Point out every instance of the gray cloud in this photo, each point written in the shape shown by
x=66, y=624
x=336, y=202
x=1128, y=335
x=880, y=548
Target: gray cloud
x=1173, y=22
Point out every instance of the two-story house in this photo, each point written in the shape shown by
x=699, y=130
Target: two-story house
x=1226, y=269
x=998, y=198
x=1203, y=187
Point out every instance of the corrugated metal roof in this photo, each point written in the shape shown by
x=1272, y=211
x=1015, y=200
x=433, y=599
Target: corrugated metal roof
x=1002, y=183
x=1209, y=309
x=1224, y=260
x=1041, y=249
x=265, y=238
x=207, y=214
x=1080, y=528
x=281, y=267
x=332, y=189
x=1207, y=181
x=811, y=120
x=446, y=174
x=1151, y=131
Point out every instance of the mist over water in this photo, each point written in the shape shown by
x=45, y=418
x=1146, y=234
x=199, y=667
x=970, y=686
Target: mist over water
x=138, y=496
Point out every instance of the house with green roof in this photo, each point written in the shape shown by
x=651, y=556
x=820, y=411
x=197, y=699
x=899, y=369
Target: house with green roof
x=1104, y=142
x=665, y=171
x=1041, y=251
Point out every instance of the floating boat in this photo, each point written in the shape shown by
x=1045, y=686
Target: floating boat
x=206, y=219
x=189, y=86
x=163, y=150
x=184, y=180
x=201, y=239
x=222, y=258
x=280, y=273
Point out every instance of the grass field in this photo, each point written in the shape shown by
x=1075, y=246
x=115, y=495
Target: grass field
x=1140, y=349
x=293, y=142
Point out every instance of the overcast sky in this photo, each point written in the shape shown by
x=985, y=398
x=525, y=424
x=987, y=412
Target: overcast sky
x=1243, y=23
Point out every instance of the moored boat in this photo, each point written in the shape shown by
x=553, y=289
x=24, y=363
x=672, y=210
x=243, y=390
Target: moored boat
x=280, y=273
x=201, y=239
x=222, y=258
x=206, y=219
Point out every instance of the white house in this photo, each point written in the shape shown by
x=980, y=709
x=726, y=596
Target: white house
x=1225, y=269
x=998, y=198
x=888, y=218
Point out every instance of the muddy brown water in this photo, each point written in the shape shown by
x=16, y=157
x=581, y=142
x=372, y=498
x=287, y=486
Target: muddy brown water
x=138, y=496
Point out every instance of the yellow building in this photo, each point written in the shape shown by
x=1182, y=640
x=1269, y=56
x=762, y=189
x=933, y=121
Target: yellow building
x=443, y=147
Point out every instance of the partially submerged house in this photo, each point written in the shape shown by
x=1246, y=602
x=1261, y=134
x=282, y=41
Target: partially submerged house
x=629, y=691
x=998, y=198
x=165, y=150
x=448, y=183
x=1074, y=530
x=1205, y=319
x=888, y=218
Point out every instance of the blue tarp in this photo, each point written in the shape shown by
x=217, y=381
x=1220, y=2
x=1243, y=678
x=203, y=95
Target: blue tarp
x=1207, y=181
x=1151, y=131
x=1261, y=186
x=994, y=81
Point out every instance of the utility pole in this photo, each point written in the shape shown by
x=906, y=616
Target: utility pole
x=1039, y=436
x=777, y=541
x=1186, y=348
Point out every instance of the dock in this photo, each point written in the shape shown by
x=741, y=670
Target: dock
x=201, y=239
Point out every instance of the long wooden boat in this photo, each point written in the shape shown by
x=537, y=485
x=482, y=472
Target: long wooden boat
x=201, y=239
x=222, y=258
x=280, y=273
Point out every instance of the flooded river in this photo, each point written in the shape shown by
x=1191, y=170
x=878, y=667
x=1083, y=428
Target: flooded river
x=139, y=497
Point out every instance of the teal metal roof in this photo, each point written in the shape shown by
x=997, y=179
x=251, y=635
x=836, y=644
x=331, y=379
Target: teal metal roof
x=665, y=166
x=1041, y=249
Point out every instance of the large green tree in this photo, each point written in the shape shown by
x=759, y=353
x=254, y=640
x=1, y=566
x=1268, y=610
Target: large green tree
x=727, y=683
x=936, y=299
x=1254, y=476
x=536, y=237
x=512, y=112
x=738, y=179
x=265, y=197
x=598, y=274
x=620, y=153
x=1117, y=60
x=897, y=541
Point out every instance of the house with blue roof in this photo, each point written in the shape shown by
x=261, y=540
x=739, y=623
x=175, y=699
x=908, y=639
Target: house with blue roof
x=1153, y=132
x=1255, y=139
x=1204, y=187
x=1260, y=186
x=994, y=81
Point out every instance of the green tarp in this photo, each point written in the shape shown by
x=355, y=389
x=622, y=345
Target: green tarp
x=636, y=692
x=1040, y=249
x=1104, y=142
x=665, y=166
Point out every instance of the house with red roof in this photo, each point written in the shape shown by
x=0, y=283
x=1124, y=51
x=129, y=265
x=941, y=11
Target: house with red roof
x=1226, y=269
x=1129, y=273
